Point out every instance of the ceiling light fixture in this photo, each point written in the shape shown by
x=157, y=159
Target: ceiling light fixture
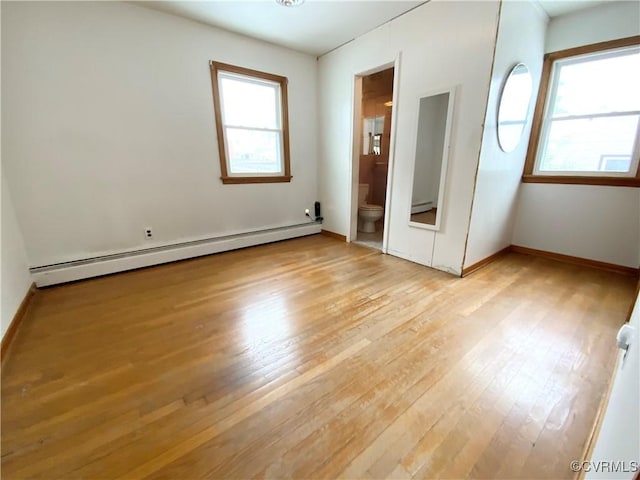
x=289, y=3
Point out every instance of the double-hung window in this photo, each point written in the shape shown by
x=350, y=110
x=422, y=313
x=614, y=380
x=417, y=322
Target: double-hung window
x=587, y=120
x=252, y=124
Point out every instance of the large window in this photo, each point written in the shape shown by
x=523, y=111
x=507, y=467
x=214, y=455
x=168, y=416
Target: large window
x=586, y=127
x=252, y=126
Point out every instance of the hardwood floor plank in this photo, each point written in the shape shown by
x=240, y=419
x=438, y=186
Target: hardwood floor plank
x=207, y=434
x=312, y=358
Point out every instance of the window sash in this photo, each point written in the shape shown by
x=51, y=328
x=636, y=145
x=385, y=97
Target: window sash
x=255, y=81
x=548, y=118
x=543, y=145
x=261, y=134
x=253, y=173
x=278, y=120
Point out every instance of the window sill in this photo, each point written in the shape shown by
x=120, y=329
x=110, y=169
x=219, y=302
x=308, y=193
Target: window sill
x=582, y=180
x=240, y=180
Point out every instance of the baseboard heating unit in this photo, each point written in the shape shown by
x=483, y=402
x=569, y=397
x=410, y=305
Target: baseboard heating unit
x=120, y=262
x=421, y=207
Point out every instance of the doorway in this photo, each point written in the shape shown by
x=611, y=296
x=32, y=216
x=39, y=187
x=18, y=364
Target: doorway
x=373, y=114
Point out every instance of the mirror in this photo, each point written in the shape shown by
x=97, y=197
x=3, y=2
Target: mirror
x=514, y=107
x=430, y=163
x=372, y=135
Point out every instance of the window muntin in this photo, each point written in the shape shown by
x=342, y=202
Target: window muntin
x=592, y=113
x=251, y=121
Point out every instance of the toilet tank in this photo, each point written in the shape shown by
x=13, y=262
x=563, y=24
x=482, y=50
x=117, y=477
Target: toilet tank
x=363, y=192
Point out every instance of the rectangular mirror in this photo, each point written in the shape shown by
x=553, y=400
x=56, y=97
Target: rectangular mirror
x=372, y=134
x=435, y=113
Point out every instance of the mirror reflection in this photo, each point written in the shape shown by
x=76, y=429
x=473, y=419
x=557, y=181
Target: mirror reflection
x=430, y=159
x=514, y=107
x=372, y=139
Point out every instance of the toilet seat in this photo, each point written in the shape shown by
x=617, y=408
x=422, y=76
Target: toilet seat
x=371, y=208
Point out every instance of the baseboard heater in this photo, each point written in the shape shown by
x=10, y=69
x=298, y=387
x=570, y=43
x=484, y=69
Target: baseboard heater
x=119, y=262
x=421, y=207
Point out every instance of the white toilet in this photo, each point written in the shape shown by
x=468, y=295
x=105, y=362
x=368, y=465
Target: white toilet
x=368, y=214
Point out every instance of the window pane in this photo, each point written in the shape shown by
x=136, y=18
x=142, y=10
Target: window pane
x=591, y=145
x=247, y=103
x=615, y=163
x=253, y=151
x=599, y=85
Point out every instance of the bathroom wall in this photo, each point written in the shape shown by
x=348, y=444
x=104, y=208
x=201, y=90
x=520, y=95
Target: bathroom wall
x=521, y=39
x=595, y=222
x=108, y=127
x=377, y=90
x=432, y=55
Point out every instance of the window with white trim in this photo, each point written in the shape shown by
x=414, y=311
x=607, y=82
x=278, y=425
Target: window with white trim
x=251, y=122
x=590, y=125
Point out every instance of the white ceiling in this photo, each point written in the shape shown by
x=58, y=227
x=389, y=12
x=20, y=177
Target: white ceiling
x=560, y=7
x=317, y=26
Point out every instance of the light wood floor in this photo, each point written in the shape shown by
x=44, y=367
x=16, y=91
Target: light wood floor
x=312, y=358
x=425, y=217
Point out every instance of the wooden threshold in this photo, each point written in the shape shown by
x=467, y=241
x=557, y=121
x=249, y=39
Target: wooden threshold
x=337, y=236
x=10, y=334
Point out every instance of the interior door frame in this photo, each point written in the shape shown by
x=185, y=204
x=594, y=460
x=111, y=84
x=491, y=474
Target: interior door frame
x=356, y=132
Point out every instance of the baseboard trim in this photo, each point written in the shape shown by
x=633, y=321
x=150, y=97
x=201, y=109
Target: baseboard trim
x=121, y=262
x=586, y=262
x=10, y=334
x=337, y=236
x=485, y=261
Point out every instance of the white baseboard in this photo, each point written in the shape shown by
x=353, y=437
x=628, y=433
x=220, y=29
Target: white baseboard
x=94, y=267
x=421, y=207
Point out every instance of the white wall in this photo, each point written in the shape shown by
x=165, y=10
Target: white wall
x=521, y=38
x=14, y=272
x=614, y=19
x=433, y=56
x=595, y=222
x=108, y=127
x=619, y=437
x=15, y=279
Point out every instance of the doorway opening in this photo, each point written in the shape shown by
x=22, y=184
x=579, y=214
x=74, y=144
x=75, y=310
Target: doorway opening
x=372, y=145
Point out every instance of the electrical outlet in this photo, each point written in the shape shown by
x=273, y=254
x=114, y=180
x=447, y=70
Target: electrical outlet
x=148, y=233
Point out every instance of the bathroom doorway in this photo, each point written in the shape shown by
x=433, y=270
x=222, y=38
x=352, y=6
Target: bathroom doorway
x=373, y=115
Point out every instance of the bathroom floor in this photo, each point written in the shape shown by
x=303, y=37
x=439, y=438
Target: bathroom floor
x=372, y=240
